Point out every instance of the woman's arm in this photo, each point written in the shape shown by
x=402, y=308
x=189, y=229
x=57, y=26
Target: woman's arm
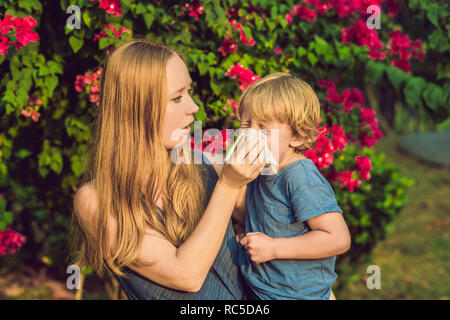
x=238, y=215
x=184, y=268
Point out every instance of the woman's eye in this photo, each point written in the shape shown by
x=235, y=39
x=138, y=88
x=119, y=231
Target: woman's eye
x=178, y=99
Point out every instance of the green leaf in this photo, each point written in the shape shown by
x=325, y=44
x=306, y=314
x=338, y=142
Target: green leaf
x=301, y=51
x=41, y=214
x=103, y=43
x=87, y=18
x=29, y=5
x=203, y=67
x=396, y=76
x=2, y=205
x=77, y=165
x=148, y=19
x=75, y=43
x=413, y=91
x=247, y=33
x=432, y=14
x=43, y=70
x=200, y=115
x=8, y=217
x=57, y=161
x=54, y=67
x=312, y=58
x=375, y=71
x=140, y=9
x=22, y=153
x=433, y=96
x=217, y=86
x=438, y=41
x=51, y=82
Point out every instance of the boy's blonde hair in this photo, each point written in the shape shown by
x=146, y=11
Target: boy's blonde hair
x=281, y=96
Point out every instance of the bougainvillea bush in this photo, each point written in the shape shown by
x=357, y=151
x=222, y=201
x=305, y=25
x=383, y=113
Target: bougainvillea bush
x=51, y=80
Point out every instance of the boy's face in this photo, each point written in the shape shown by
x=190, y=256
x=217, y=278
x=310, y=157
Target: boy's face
x=280, y=139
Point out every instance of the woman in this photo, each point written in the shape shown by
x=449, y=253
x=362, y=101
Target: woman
x=162, y=228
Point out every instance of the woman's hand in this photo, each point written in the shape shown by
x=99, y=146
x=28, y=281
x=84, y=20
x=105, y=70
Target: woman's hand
x=246, y=163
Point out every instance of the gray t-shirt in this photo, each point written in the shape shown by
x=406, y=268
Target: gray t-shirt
x=279, y=205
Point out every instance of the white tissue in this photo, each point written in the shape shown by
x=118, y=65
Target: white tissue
x=268, y=156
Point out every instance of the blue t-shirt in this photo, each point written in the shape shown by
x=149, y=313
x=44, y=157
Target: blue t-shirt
x=279, y=205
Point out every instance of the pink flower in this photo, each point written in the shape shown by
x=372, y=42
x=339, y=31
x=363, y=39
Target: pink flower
x=7, y=24
x=195, y=9
x=29, y=112
x=349, y=181
x=227, y=47
x=4, y=45
x=306, y=14
x=339, y=140
x=34, y=100
x=402, y=64
x=239, y=27
x=277, y=50
x=90, y=78
x=392, y=7
x=367, y=115
x=363, y=165
x=79, y=83
x=361, y=35
x=10, y=241
x=93, y=97
x=417, y=50
x=233, y=105
x=245, y=76
x=368, y=140
x=288, y=18
x=98, y=36
x=117, y=33
x=112, y=7
x=24, y=34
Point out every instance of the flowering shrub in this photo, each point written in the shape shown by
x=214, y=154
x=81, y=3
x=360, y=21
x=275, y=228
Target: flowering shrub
x=51, y=80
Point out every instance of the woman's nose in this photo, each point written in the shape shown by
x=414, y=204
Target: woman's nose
x=194, y=107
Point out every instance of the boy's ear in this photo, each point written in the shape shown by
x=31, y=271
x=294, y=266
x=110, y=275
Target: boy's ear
x=296, y=141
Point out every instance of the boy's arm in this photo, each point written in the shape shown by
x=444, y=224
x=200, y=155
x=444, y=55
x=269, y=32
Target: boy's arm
x=329, y=236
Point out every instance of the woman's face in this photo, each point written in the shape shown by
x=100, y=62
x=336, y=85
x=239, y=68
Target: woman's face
x=180, y=105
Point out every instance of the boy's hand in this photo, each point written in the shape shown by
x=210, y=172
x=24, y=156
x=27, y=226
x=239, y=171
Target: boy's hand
x=260, y=247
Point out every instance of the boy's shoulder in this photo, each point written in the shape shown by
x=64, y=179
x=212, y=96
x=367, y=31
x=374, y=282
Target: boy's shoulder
x=302, y=171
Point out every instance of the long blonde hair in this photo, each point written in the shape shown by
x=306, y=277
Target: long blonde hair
x=129, y=165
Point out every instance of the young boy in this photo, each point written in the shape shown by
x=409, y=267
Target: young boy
x=293, y=226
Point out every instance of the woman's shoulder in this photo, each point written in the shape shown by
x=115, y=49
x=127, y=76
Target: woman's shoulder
x=85, y=202
x=85, y=205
